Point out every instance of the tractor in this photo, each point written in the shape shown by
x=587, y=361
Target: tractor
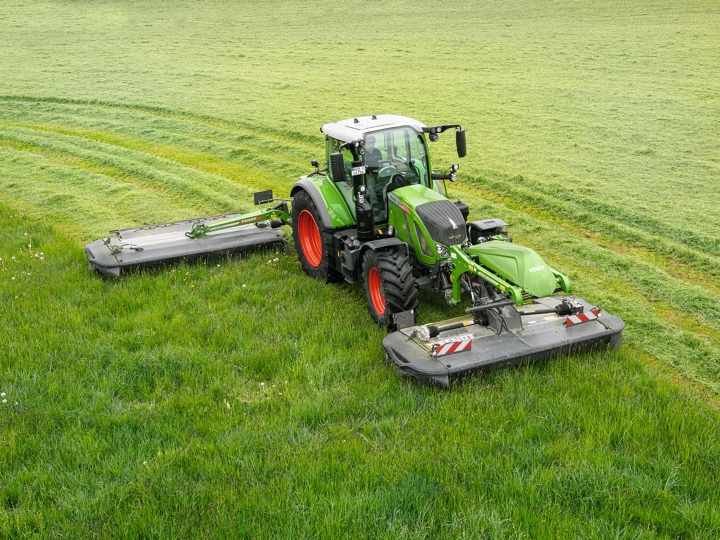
x=378, y=213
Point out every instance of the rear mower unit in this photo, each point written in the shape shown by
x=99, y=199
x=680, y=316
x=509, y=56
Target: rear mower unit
x=377, y=213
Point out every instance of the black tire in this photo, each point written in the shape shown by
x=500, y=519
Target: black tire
x=315, y=253
x=388, y=273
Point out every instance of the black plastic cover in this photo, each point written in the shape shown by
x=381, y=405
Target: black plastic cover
x=464, y=208
x=444, y=221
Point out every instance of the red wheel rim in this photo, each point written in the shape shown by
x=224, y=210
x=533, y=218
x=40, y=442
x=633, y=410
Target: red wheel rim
x=309, y=236
x=376, y=296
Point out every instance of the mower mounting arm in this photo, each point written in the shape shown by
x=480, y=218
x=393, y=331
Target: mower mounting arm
x=462, y=264
x=277, y=215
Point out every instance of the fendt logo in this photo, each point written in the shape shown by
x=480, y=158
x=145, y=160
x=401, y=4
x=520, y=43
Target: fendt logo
x=537, y=268
x=248, y=220
x=394, y=199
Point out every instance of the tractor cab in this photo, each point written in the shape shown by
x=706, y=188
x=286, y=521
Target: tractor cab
x=393, y=158
x=373, y=155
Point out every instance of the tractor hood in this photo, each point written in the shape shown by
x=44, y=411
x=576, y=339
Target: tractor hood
x=518, y=264
x=442, y=220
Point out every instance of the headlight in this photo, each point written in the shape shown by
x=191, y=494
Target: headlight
x=442, y=250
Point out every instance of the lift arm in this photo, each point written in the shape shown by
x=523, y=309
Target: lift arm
x=277, y=215
x=461, y=263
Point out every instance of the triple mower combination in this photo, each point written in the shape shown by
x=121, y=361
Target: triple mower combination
x=378, y=213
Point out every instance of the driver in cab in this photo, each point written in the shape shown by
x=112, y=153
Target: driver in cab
x=373, y=156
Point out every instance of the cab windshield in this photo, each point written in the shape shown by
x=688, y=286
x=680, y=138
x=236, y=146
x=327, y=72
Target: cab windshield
x=393, y=158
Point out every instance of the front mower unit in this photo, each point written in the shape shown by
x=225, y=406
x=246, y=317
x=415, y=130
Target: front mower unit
x=169, y=242
x=470, y=347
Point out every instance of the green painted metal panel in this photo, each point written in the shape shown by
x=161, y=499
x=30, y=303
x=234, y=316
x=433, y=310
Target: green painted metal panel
x=519, y=264
x=402, y=203
x=340, y=214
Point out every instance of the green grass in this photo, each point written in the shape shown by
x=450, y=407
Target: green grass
x=237, y=397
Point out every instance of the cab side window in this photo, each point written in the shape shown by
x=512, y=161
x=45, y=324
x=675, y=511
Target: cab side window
x=347, y=160
x=345, y=187
x=400, y=148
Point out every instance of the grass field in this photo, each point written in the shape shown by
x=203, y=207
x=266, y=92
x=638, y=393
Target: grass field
x=238, y=397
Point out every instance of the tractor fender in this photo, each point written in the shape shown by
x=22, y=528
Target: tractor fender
x=314, y=193
x=334, y=211
x=383, y=243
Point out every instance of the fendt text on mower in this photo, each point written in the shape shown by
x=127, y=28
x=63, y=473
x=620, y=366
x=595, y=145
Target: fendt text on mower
x=379, y=214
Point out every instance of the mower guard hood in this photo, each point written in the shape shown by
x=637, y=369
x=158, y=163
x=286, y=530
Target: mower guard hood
x=519, y=264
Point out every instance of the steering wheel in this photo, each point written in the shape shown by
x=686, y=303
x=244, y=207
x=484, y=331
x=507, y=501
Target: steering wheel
x=398, y=181
x=386, y=171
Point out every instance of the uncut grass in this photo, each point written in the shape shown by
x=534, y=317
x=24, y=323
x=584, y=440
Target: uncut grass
x=140, y=400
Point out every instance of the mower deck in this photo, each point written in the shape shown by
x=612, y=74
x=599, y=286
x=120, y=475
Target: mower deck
x=472, y=348
x=167, y=242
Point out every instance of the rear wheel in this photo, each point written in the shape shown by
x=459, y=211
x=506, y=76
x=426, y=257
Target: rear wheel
x=312, y=241
x=389, y=285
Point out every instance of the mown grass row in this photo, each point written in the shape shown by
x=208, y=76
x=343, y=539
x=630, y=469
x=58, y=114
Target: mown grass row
x=683, y=245
x=582, y=203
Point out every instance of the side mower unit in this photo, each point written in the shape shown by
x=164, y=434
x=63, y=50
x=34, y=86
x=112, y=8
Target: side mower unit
x=141, y=247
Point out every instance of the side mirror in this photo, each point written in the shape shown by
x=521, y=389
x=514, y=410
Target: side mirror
x=337, y=167
x=460, y=143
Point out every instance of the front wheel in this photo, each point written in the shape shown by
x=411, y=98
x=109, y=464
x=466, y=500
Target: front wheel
x=389, y=285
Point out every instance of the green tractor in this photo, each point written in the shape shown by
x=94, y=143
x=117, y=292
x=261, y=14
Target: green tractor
x=378, y=213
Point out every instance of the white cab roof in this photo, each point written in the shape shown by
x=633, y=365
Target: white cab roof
x=353, y=129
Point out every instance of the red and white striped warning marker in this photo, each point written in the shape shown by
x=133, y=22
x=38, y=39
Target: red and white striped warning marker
x=579, y=318
x=450, y=346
